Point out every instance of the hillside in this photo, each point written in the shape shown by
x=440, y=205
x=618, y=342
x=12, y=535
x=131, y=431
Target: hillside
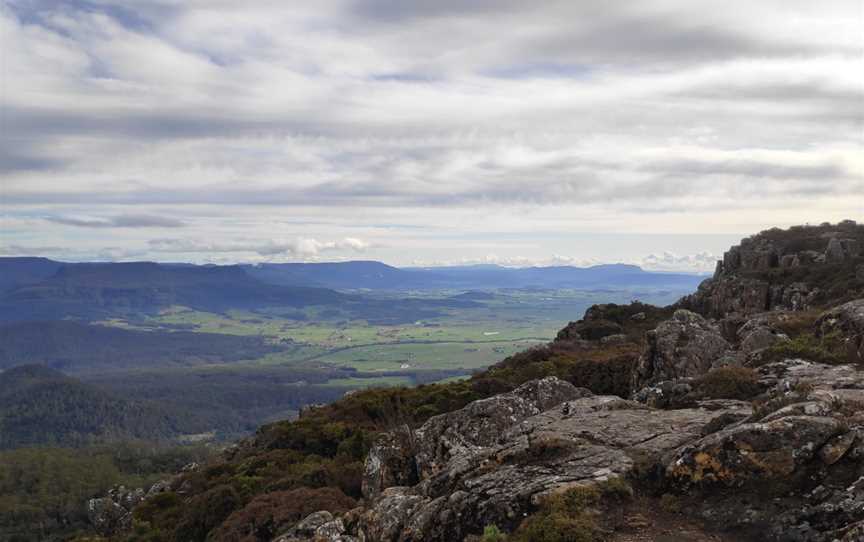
x=74, y=347
x=16, y=272
x=628, y=405
x=94, y=291
x=41, y=406
x=102, y=290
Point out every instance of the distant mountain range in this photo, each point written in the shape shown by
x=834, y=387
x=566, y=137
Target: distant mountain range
x=378, y=276
x=42, y=289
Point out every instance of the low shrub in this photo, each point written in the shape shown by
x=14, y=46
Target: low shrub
x=270, y=514
x=828, y=349
x=493, y=534
x=573, y=516
x=728, y=383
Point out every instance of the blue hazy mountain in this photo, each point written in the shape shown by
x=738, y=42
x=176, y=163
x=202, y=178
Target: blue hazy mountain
x=92, y=291
x=379, y=276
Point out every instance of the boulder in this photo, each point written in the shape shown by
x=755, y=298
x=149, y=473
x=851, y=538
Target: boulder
x=685, y=346
x=759, y=333
x=107, y=516
x=390, y=462
x=317, y=527
x=113, y=514
x=481, y=423
x=742, y=453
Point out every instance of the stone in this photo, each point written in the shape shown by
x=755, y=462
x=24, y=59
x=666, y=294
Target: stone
x=106, y=516
x=113, y=513
x=390, y=462
x=759, y=333
x=317, y=527
x=482, y=422
x=742, y=453
x=834, y=450
x=616, y=338
x=477, y=477
x=685, y=346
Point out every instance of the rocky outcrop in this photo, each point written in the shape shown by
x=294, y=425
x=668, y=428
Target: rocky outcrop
x=318, y=526
x=481, y=423
x=687, y=345
x=747, y=281
x=493, y=461
x=807, y=437
x=758, y=334
x=390, y=462
x=113, y=513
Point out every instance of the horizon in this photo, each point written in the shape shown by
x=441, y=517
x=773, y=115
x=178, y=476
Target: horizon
x=348, y=261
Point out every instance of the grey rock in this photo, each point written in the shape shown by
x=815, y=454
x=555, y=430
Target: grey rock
x=616, y=338
x=481, y=423
x=107, y=516
x=471, y=476
x=759, y=333
x=759, y=450
x=113, y=514
x=685, y=346
x=390, y=462
x=317, y=527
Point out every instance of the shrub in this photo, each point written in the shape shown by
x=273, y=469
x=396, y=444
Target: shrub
x=493, y=534
x=268, y=515
x=574, y=515
x=206, y=511
x=829, y=349
x=728, y=383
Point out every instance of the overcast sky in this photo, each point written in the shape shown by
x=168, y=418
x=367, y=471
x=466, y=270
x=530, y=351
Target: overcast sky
x=652, y=132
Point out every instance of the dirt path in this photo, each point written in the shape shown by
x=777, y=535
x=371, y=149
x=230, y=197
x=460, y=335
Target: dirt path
x=645, y=520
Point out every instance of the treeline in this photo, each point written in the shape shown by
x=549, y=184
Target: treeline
x=236, y=401
x=44, y=491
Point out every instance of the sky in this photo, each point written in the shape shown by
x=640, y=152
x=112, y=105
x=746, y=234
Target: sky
x=425, y=133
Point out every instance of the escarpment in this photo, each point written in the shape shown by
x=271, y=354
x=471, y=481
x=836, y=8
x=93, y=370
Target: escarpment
x=738, y=412
x=794, y=269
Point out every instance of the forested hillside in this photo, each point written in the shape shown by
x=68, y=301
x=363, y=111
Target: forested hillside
x=40, y=406
x=76, y=347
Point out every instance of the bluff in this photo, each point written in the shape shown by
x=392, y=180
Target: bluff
x=725, y=417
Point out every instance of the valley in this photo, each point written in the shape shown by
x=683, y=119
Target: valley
x=225, y=349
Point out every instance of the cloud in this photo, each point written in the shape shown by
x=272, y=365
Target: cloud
x=300, y=247
x=615, y=117
x=119, y=221
x=701, y=262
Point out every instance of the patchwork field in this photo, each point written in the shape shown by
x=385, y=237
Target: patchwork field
x=318, y=355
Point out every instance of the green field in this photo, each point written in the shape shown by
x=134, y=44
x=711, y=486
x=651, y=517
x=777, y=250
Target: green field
x=457, y=341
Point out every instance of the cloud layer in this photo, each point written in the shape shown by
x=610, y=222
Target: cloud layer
x=404, y=129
